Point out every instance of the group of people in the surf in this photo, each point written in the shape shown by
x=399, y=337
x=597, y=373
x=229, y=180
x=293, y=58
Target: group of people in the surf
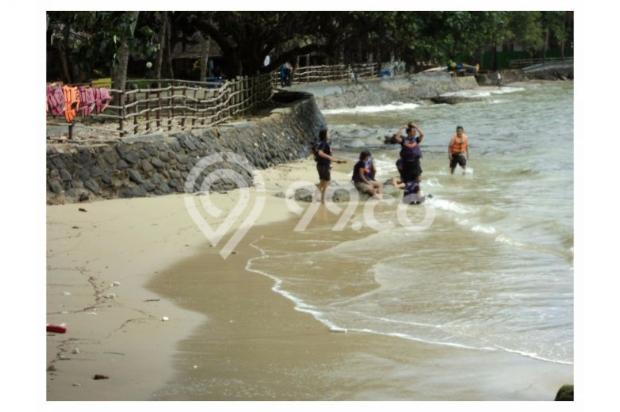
x=408, y=163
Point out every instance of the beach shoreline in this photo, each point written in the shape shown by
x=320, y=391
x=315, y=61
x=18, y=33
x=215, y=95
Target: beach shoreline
x=100, y=256
x=262, y=344
x=229, y=334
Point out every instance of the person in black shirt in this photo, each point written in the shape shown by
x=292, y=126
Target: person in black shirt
x=408, y=164
x=363, y=177
x=323, y=157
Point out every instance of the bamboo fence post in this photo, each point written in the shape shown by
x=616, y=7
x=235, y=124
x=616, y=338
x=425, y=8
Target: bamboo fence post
x=135, y=113
x=121, y=102
x=171, y=105
x=195, y=107
x=184, y=111
x=239, y=95
x=206, y=110
x=157, y=113
x=246, y=94
x=148, y=111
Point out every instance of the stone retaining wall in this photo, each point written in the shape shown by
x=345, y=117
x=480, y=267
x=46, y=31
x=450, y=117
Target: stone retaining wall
x=157, y=164
x=377, y=92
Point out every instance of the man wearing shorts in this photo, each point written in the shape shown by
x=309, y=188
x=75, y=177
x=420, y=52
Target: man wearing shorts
x=458, y=150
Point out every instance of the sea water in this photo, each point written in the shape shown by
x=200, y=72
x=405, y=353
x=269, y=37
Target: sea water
x=494, y=270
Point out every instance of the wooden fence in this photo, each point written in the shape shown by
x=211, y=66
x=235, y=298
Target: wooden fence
x=308, y=74
x=151, y=106
x=168, y=105
x=520, y=63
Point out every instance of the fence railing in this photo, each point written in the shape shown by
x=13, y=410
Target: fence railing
x=159, y=105
x=520, y=63
x=309, y=74
x=167, y=104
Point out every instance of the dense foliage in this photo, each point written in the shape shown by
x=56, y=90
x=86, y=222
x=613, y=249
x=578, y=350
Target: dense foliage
x=86, y=45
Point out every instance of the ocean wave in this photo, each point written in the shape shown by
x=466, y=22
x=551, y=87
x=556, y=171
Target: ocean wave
x=507, y=89
x=301, y=306
x=449, y=206
x=507, y=240
x=489, y=230
x=395, y=106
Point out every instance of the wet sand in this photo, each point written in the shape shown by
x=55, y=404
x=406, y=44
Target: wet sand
x=256, y=346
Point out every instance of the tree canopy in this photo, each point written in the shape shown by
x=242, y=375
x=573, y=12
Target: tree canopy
x=86, y=45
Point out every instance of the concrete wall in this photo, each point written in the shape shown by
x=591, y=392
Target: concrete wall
x=157, y=165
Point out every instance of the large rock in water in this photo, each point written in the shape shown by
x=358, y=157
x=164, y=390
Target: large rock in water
x=565, y=393
x=453, y=98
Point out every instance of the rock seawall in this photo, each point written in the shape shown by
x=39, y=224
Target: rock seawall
x=377, y=92
x=158, y=164
x=560, y=71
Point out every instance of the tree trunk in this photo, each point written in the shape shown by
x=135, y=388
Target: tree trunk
x=162, y=45
x=62, y=54
x=169, y=48
x=204, y=57
x=119, y=71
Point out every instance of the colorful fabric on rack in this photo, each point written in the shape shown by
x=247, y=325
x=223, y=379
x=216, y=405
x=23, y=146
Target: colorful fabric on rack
x=102, y=98
x=87, y=100
x=55, y=101
x=69, y=101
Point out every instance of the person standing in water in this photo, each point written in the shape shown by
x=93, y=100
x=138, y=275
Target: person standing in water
x=323, y=157
x=408, y=164
x=363, y=177
x=458, y=150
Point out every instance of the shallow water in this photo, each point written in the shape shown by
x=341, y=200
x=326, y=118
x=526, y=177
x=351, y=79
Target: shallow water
x=494, y=270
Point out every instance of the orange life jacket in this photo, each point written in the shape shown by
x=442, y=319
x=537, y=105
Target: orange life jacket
x=72, y=102
x=458, y=145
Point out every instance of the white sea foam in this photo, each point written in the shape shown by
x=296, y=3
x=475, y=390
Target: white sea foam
x=507, y=89
x=507, y=240
x=395, y=106
x=489, y=230
x=302, y=306
x=449, y=206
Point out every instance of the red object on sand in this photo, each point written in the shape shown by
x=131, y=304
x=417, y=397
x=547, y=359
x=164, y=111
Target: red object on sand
x=56, y=328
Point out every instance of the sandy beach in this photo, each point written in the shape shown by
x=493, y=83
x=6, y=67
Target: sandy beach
x=120, y=267
x=98, y=261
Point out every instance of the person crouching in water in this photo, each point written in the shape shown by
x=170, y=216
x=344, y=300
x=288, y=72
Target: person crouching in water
x=323, y=157
x=412, y=193
x=458, y=150
x=363, y=176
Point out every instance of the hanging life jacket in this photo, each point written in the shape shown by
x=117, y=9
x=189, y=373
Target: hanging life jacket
x=72, y=102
